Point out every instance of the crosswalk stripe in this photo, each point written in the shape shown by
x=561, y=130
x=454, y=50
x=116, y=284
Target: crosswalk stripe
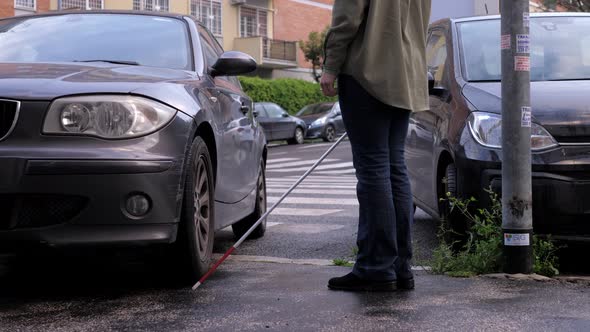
x=311, y=146
x=311, y=186
x=321, y=167
x=280, y=160
x=296, y=163
x=314, y=200
x=308, y=180
x=320, y=177
x=313, y=191
x=346, y=171
x=303, y=212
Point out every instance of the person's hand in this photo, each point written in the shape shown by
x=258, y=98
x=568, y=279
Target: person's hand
x=327, y=83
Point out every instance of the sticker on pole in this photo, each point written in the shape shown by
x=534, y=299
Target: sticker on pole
x=523, y=44
x=522, y=63
x=505, y=42
x=526, y=117
x=516, y=240
x=526, y=20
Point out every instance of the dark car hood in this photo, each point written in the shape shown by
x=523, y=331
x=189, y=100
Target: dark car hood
x=45, y=81
x=563, y=108
x=309, y=119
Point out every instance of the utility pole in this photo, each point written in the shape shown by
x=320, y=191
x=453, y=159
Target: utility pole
x=517, y=221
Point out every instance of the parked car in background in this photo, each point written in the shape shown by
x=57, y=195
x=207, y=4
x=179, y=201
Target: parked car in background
x=455, y=147
x=323, y=120
x=125, y=128
x=278, y=124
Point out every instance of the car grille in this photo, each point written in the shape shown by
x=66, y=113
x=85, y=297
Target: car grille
x=8, y=113
x=31, y=211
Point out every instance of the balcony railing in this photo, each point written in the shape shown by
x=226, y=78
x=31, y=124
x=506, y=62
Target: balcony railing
x=279, y=49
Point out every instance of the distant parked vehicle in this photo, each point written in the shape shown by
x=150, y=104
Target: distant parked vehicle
x=278, y=125
x=323, y=120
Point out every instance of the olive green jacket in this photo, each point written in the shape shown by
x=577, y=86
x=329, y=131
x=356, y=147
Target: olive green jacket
x=382, y=44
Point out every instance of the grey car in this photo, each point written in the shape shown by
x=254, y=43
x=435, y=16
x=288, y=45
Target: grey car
x=323, y=120
x=278, y=124
x=125, y=128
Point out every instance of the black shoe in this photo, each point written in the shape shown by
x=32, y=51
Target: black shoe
x=350, y=282
x=406, y=284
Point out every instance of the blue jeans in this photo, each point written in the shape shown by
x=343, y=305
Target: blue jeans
x=377, y=134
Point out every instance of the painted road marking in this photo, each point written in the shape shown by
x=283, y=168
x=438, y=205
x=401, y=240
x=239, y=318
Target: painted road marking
x=313, y=191
x=303, y=212
x=315, y=200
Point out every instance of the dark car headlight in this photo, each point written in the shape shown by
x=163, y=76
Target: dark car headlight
x=486, y=129
x=106, y=116
x=319, y=122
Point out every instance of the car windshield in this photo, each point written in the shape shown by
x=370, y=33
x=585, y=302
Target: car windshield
x=560, y=49
x=133, y=39
x=314, y=109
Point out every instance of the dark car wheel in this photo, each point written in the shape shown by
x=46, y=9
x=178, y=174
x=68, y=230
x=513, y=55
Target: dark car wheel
x=240, y=228
x=194, y=247
x=329, y=134
x=297, y=137
x=452, y=220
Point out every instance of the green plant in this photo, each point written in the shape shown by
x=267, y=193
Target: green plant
x=313, y=50
x=482, y=251
x=291, y=94
x=342, y=262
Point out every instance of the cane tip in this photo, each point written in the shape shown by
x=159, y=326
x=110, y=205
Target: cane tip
x=196, y=285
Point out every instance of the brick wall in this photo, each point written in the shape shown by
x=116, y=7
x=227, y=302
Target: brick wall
x=6, y=8
x=294, y=21
x=43, y=5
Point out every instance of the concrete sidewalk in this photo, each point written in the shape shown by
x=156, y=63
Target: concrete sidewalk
x=253, y=296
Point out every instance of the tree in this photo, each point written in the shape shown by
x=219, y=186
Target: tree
x=572, y=5
x=313, y=49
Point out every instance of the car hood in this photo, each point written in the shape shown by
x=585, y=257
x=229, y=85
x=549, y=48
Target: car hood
x=563, y=108
x=46, y=81
x=309, y=119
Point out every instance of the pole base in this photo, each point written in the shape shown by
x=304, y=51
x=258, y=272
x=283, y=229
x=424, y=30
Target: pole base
x=518, y=251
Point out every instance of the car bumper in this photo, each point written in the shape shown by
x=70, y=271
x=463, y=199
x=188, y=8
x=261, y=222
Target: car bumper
x=560, y=188
x=315, y=132
x=79, y=195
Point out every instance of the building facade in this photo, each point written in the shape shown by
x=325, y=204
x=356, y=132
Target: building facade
x=9, y=8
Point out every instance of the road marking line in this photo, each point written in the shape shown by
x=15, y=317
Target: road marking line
x=296, y=163
x=314, y=200
x=324, y=167
x=280, y=160
x=303, y=212
x=311, y=181
x=271, y=224
x=280, y=260
x=313, y=146
x=347, y=171
x=310, y=186
x=313, y=191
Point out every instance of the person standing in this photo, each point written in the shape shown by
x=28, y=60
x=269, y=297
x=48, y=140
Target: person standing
x=376, y=50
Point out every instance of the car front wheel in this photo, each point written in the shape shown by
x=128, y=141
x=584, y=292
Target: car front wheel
x=329, y=134
x=194, y=247
x=297, y=137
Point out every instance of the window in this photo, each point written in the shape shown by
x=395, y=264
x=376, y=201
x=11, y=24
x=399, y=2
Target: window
x=274, y=111
x=151, y=5
x=260, y=109
x=253, y=22
x=82, y=4
x=25, y=4
x=209, y=51
x=209, y=13
x=436, y=56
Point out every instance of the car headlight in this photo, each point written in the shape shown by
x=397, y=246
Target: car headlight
x=486, y=129
x=319, y=122
x=106, y=116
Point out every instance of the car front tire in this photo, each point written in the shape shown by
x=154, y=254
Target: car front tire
x=194, y=247
x=329, y=134
x=298, y=137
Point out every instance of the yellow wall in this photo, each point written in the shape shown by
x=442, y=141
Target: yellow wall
x=180, y=7
x=229, y=25
x=118, y=4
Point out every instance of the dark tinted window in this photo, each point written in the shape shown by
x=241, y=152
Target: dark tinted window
x=315, y=109
x=560, y=49
x=148, y=40
x=260, y=109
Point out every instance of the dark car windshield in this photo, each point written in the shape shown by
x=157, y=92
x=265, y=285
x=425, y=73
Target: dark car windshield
x=145, y=40
x=314, y=109
x=560, y=49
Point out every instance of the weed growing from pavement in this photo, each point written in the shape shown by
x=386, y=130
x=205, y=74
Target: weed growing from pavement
x=342, y=262
x=482, y=251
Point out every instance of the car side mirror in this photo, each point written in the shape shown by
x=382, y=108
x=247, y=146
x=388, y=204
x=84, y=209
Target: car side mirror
x=233, y=63
x=285, y=115
x=255, y=113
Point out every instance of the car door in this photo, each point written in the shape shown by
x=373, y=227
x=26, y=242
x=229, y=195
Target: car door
x=264, y=120
x=283, y=127
x=238, y=156
x=423, y=132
